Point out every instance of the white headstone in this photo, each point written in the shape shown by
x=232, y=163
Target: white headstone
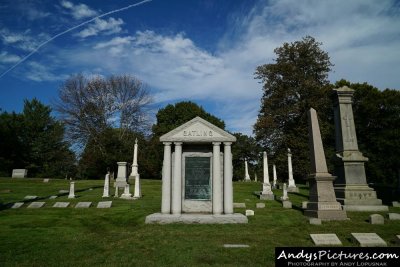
x=368, y=240
x=106, y=190
x=394, y=216
x=376, y=219
x=287, y=204
x=17, y=205
x=285, y=195
x=249, y=212
x=246, y=171
x=61, y=205
x=260, y=205
x=19, y=173
x=326, y=240
x=239, y=205
x=395, y=204
x=83, y=204
x=104, y=204
x=36, y=205
x=71, y=190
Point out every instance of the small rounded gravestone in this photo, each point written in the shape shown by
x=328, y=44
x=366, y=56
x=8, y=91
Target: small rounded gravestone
x=376, y=219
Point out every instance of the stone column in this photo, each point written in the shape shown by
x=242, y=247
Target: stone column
x=134, y=171
x=274, y=173
x=176, y=206
x=228, y=173
x=106, y=190
x=265, y=168
x=351, y=186
x=166, y=180
x=266, y=193
x=138, y=187
x=217, y=180
x=292, y=185
x=284, y=194
x=71, y=190
x=126, y=194
x=246, y=172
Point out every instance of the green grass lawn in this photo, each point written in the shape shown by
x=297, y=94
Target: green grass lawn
x=119, y=237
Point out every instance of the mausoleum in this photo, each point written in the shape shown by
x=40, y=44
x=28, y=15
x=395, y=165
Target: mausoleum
x=197, y=176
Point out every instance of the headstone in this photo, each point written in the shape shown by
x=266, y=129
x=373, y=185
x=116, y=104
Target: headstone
x=396, y=204
x=266, y=193
x=326, y=240
x=292, y=185
x=83, y=204
x=322, y=202
x=52, y=197
x=246, y=172
x=394, y=216
x=106, y=189
x=351, y=186
x=249, y=212
x=286, y=204
x=36, y=205
x=255, y=177
x=239, y=205
x=71, y=190
x=126, y=194
x=304, y=205
x=104, y=204
x=284, y=195
x=19, y=173
x=61, y=205
x=63, y=191
x=315, y=221
x=236, y=246
x=17, y=205
x=46, y=180
x=274, y=174
x=197, y=176
x=30, y=197
x=376, y=219
x=260, y=205
x=368, y=240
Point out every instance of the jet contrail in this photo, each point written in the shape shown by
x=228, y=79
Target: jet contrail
x=70, y=29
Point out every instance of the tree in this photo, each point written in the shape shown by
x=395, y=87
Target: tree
x=169, y=118
x=35, y=140
x=91, y=106
x=296, y=81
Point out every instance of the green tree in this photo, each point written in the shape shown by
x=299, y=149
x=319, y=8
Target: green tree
x=296, y=81
x=246, y=147
x=377, y=120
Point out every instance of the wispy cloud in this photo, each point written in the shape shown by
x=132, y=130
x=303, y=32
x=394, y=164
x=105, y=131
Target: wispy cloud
x=25, y=40
x=104, y=26
x=8, y=58
x=79, y=11
x=39, y=72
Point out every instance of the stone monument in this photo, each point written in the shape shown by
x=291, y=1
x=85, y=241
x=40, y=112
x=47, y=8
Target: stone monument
x=19, y=173
x=322, y=202
x=197, y=176
x=121, y=181
x=106, y=190
x=292, y=185
x=351, y=185
x=246, y=172
x=266, y=192
x=284, y=193
x=275, y=178
x=71, y=190
x=135, y=176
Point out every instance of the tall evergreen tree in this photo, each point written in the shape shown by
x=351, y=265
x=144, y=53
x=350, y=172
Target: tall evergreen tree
x=296, y=81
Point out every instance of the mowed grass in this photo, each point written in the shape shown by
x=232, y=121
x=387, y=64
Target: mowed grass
x=119, y=237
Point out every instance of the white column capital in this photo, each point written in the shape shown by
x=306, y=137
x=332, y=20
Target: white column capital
x=167, y=143
x=227, y=143
x=216, y=143
x=177, y=143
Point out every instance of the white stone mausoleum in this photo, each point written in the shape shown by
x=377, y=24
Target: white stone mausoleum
x=197, y=176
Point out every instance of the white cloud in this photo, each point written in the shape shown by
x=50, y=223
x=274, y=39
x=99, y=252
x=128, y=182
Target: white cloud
x=79, y=11
x=22, y=40
x=8, y=58
x=39, y=72
x=109, y=26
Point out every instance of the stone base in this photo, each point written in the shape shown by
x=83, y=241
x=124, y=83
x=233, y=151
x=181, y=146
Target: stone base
x=293, y=189
x=359, y=198
x=196, y=218
x=327, y=215
x=264, y=196
x=286, y=204
x=365, y=208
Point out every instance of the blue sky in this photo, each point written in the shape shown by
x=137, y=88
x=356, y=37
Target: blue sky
x=203, y=51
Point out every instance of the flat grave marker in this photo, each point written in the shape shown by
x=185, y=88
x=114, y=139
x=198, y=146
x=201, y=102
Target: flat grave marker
x=236, y=246
x=104, y=204
x=249, y=212
x=61, y=205
x=36, y=205
x=326, y=240
x=53, y=197
x=63, y=191
x=30, y=197
x=239, y=205
x=260, y=205
x=368, y=240
x=83, y=204
x=17, y=205
x=46, y=180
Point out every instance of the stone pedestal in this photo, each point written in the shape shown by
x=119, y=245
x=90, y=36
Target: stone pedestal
x=322, y=202
x=351, y=185
x=121, y=174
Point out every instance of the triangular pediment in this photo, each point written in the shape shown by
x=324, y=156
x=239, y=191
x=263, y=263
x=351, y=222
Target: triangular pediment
x=197, y=130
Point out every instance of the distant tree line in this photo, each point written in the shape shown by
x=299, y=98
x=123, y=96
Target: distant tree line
x=99, y=118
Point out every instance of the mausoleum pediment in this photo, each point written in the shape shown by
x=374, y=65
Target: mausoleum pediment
x=198, y=130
